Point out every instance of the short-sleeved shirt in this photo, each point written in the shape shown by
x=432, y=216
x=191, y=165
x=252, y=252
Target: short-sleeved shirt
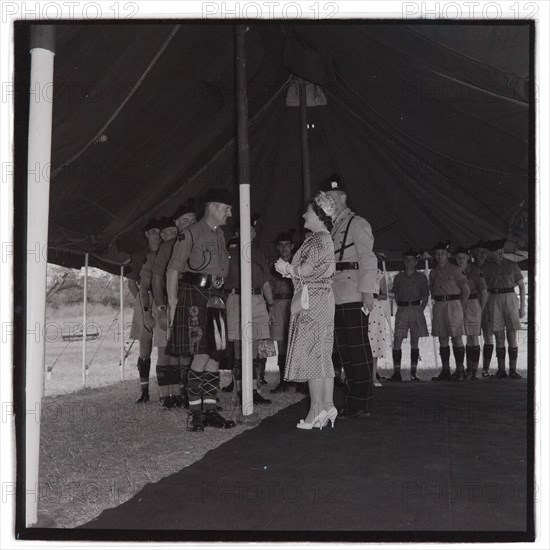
x=505, y=274
x=446, y=280
x=163, y=257
x=476, y=279
x=410, y=288
x=148, y=262
x=260, y=271
x=200, y=249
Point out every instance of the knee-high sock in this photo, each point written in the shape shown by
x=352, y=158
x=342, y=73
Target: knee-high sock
x=475, y=352
x=397, y=354
x=183, y=375
x=174, y=378
x=144, y=368
x=513, y=358
x=261, y=369
x=487, y=355
x=415, y=354
x=445, y=354
x=281, y=363
x=210, y=386
x=163, y=379
x=194, y=390
x=501, y=358
x=458, y=352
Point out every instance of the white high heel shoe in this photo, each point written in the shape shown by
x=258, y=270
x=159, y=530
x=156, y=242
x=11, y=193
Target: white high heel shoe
x=317, y=422
x=330, y=416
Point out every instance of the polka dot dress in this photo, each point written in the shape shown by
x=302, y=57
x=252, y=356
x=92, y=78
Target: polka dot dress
x=378, y=335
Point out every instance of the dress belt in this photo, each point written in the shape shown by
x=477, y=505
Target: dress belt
x=473, y=296
x=408, y=304
x=202, y=280
x=238, y=291
x=344, y=266
x=501, y=290
x=447, y=297
x=283, y=296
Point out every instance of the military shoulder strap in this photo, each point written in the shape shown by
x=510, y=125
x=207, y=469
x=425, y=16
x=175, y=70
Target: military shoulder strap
x=344, y=240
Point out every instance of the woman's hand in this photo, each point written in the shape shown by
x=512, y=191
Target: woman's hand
x=282, y=267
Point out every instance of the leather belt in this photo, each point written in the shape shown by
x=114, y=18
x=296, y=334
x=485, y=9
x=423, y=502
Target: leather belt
x=473, y=296
x=501, y=290
x=344, y=266
x=283, y=296
x=408, y=304
x=447, y=298
x=238, y=291
x=202, y=280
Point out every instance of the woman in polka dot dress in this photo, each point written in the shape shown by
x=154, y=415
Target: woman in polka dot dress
x=311, y=332
x=377, y=324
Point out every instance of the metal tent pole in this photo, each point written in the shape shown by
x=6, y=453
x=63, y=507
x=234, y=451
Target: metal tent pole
x=244, y=209
x=38, y=189
x=121, y=323
x=84, y=320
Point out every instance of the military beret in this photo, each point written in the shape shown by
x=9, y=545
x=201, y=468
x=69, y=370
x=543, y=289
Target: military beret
x=462, y=250
x=412, y=252
x=220, y=195
x=496, y=245
x=186, y=208
x=479, y=244
x=153, y=224
x=165, y=223
x=334, y=183
x=285, y=236
x=442, y=245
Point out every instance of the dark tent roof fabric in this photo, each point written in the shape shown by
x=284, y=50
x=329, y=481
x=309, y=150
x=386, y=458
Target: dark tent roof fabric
x=428, y=124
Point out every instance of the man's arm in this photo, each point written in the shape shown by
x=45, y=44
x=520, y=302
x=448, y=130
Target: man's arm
x=133, y=287
x=363, y=240
x=424, y=292
x=521, y=284
x=180, y=254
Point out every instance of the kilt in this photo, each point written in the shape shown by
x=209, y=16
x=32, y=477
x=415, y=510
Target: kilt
x=281, y=324
x=410, y=318
x=472, y=318
x=503, y=312
x=198, y=329
x=448, y=319
x=260, y=318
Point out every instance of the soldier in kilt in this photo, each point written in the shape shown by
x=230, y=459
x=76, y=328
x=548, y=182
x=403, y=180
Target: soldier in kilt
x=198, y=327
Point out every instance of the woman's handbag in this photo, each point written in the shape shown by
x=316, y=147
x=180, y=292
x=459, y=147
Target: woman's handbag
x=300, y=300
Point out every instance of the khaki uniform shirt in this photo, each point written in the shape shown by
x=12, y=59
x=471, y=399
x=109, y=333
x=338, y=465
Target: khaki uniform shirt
x=200, y=249
x=476, y=280
x=349, y=285
x=260, y=271
x=446, y=280
x=505, y=274
x=163, y=257
x=410, y=289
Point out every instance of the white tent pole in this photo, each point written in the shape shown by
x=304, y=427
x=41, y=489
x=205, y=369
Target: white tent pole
x=244, y=210
x=121, y=324
x=84, y=319
x=426, y=272
x=38, y=189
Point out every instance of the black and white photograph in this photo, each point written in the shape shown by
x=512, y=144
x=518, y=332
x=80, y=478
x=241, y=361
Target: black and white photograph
x=272, y=272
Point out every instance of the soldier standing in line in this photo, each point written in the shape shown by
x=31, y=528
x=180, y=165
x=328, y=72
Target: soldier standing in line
x=355, y=277
x=410, y=288
x=472, y=310
x=194, y=284
x=171, y=370
x=283, y=292
x=481, y=256
x=503, y=311
x=450, y=291
x=142, y=320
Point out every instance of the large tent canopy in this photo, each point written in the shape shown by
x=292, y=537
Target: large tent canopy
x=427, y=124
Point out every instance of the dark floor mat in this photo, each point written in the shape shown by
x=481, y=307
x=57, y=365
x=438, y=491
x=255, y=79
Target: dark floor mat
x=436, y=457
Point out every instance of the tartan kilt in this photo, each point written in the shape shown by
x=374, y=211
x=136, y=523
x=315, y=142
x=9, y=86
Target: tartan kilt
x=196, y=327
